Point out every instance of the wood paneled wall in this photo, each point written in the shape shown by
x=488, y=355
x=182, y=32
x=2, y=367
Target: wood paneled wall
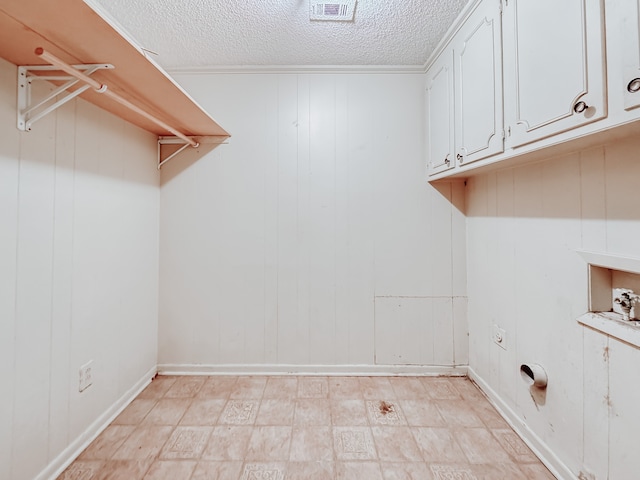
x=78, y=273
x=524, y=225
x=312, y=238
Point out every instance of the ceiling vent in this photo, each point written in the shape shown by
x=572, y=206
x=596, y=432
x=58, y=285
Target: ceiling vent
x=338, y=11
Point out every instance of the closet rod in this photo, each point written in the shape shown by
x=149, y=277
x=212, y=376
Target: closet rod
x=101, y=88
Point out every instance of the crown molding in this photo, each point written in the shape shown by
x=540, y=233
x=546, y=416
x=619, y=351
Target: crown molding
x=299, y=69
x=451, y=32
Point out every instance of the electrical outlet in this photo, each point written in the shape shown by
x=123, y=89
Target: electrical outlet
x=86, y=376
x=500, y=337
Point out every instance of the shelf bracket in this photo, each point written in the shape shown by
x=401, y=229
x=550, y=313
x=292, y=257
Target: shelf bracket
x=29, y=113
x=170, y=147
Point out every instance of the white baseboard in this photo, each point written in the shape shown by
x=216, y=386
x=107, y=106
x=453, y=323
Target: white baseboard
x=533, y=441
x=69, y=454
x=324, y=370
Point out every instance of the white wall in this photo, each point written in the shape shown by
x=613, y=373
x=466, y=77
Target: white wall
x=524, y=225
x=312, y=238
x=78, y=273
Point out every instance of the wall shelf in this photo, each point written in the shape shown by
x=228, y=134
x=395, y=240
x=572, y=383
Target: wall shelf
x=607, y=273
x=77, y=34
x=610, y=324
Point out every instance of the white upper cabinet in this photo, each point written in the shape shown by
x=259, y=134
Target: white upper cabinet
x=478, y=85
x=554, y=72
x=524, y=78
x=440, y=113
x=630, y=30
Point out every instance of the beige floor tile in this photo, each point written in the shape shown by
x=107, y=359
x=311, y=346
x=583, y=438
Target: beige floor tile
x=103, y=447
x=358, y=470
x=83, y=470
x=514, y=446
x=264, y=471
x=168, y=411
x=467, y=389
x=480, y=446
x=311, y=444
x=440, y=388
x=408, y=388
x=170, y=470
x=269, y=444
x=449, y=472
x=186, y=443
x=217, y=471
x=489, y=416
x=344, y=388
x=248, y=388
x=239, y=412
x=536, y=472
x=310, y=471
x=135, y=411
x=276, y=412
x=377, y=388
x=348, y=412
x=313, y=387
x=498, y=470
x=124, y=470
x=385, y=413
x=144, y=443
x=458, y=413
x=438, y=445
x=185, y=387
x=353, y=443
x=203, y=412
x=406, y=471
x=420, y=413
x=217, y=388
x=281, y=387
x=312, y=411
x=308, y=428
x=396, y=444
x=158, y=387
x=227, y=443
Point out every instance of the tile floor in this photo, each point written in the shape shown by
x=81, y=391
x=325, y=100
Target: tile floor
x=308, y=428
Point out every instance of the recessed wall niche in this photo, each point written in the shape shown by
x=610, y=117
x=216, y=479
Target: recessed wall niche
x=609, y=277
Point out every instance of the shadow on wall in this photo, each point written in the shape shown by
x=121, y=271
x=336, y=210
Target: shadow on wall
x=599, y=183
x=183, y=160
x=453, y=192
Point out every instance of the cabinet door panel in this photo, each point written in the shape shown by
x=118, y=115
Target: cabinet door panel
x=631, y=49
x=440, y=126
x=478, y=76
x=553, y=61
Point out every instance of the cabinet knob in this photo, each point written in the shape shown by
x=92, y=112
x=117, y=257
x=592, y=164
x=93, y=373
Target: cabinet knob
x=446, y=160
x=460, y=158
x=580, y=107
x=634, y=85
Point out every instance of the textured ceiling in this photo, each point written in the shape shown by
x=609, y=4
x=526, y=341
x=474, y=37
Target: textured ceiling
x=203, y=33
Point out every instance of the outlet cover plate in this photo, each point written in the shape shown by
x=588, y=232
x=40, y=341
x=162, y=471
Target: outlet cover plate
x=86, y=376
x=499, y=337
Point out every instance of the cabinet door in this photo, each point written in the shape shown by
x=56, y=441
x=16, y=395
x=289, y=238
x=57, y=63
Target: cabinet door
x=440, y=126
x=554, y=67
x=631, y=50
x=478, y=85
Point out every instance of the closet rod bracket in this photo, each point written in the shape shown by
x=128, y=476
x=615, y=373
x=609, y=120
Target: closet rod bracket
x=175, y=145
x=30, y=111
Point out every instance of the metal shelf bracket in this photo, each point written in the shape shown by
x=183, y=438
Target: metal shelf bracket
x=175, y=145
x=29, y=113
